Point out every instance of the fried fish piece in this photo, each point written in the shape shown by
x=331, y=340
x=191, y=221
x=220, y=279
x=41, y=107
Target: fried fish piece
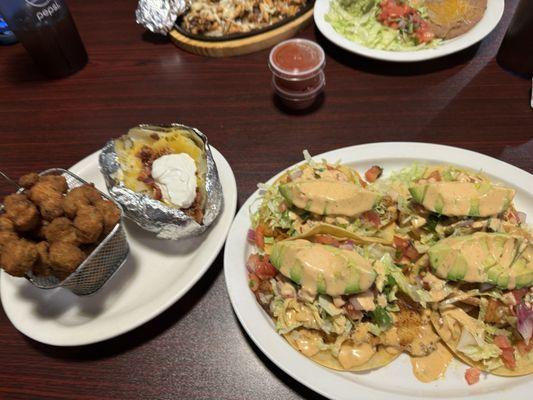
x=18, y=257
x=64, y=259
x=22, y=212
x=85, y=195
x=47, y=194
x=110, y=212
x=61, y=230
x=89, y=223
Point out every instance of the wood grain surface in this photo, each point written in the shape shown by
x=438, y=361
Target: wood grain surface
x=197, y=349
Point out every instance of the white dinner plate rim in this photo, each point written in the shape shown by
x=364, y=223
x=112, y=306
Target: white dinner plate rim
x=230, y=204
x=490, y=20
x=247, y=310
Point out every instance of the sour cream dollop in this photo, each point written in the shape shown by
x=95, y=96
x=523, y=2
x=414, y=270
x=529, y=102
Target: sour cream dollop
x=175, y=176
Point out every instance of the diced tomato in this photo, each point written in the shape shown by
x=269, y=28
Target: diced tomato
x=502, y=342
x=373, y=173
x=260, y=237
x=323, y=239
x=508, y=358
x=519, y=294
x=253, y=282
x=472, y=375
x=400, y=243
x=524, y=348
x=265, y=270
x=372, y=217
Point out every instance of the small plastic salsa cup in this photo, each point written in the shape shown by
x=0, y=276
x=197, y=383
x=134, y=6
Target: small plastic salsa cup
x=297, y=66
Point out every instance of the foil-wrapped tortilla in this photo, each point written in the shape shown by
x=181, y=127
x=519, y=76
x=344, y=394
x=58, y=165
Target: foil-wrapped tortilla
x=154, y=215
x=159, y=16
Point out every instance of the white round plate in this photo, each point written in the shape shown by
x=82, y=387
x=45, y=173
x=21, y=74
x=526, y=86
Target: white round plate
x=156, y=274
x=396, y=380
x=490, y=19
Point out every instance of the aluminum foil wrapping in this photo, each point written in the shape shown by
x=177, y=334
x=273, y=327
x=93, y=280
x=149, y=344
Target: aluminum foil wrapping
x=159, y=16
x=153, y=215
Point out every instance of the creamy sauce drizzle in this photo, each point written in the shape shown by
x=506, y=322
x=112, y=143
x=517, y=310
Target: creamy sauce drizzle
x=463, y=198
x=320, y=268
x=332, y=198
x=433, y=366
x=353, y=355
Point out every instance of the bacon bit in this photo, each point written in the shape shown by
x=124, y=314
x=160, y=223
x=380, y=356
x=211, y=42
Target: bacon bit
x=154, y=136
x=502, y=342
x=373, y=173
x=524, y=348
x=253, y=282
x=323, y=239
x=406, y=249
x=157, y=193
x=260, y=237
x=282, y=207
x=472, y=375
x=495, y=311
x=508, y=358
x=363, y=183
x=265, y=270
x=372, y=217
x=435, y=175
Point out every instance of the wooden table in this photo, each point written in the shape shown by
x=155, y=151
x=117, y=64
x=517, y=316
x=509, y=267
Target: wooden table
x=197, y=348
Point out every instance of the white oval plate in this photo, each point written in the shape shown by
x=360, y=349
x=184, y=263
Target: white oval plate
x=156, y=274
x=396, y=380
x=490, y=19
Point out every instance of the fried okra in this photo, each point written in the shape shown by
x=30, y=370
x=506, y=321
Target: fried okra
x=28, y=180
x=22, y=212
x=85, y=195
x=110, y=212
x=6, y=224
x=61, y=230
x=42, y=266
x=64, y=259
x=18, y=257
x=89, y=223
x=47, y=194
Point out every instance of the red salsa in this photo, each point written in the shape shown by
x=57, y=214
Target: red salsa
x=297, y=57
x=399, y=15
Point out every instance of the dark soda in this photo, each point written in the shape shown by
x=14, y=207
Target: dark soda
x=516, y=51
x=48, y=32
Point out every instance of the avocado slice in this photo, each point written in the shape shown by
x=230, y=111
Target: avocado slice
x=500, y=259
x=463, y=198
x=325, y=197
x=322, y=269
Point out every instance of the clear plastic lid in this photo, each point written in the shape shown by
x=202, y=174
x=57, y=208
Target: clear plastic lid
x=296, y=58
x=300, y=95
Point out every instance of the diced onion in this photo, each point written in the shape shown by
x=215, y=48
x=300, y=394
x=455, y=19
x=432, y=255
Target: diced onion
x=525, y=321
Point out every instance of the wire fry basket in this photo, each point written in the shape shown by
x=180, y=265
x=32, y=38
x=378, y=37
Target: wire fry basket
x=110, y=254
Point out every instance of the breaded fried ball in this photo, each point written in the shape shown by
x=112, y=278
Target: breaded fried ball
x=22, y=212
x=28, y=180
x=64, y=259
x=6, y=224
x=6, y=237
x=42, y=267
x=18, y=257
x=85, y=195
x=110, y=212
x=48, y=198
x=58, y=182
x=61, y=230
x=90, y=224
